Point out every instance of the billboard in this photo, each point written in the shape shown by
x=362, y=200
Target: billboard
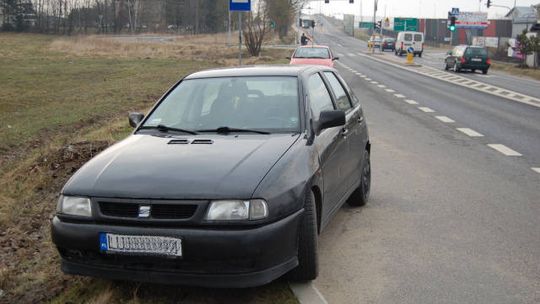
x=472, y=20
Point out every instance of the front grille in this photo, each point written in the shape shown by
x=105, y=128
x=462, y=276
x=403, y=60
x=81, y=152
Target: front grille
x=157, y=211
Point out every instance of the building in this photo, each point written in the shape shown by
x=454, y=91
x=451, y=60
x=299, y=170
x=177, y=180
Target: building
x=523, y=17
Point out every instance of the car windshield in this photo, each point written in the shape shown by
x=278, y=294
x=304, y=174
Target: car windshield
x=267, y=104
x=312, y=52
x=476, y=52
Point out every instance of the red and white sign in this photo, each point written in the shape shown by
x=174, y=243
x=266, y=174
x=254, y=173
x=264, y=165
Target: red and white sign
x=472, y=20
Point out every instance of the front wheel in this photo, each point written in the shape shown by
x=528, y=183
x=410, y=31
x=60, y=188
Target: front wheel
x=420, y=55
x=446, y=66
x=360, y=196
x=308, y=264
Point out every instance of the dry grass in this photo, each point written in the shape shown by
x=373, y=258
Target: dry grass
x=514, y=69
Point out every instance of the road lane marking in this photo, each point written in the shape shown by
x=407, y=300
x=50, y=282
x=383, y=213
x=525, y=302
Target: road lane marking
x=537, y=170
x=374, y=82
x=390, y=91
x=410, y=101
x=340, y=55
x=368, y=79
x=399, y=95
x=382, y=86
x=351, y=55
x=504, y=150
x=470, y=132
x=445, y=119
x=426, y=109
x=307, y=293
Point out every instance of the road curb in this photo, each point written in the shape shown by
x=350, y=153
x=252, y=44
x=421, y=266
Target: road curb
x=307, y=293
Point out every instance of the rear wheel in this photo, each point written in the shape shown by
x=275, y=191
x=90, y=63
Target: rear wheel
x=308, y=265
x=420, y=55
x=360, y=196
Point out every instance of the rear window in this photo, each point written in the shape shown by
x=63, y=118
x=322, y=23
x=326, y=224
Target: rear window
x=476, y=52
x=417, y=37
x=408, y=37
x=312, y=52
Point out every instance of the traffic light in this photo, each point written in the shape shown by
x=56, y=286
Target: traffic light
x=312, y=23
x=379, y=24
x=351, y=1
x=300, y=22
x=326, y=1
x=452, y=25
x=488, y=4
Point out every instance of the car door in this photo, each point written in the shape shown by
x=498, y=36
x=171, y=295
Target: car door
x=350, y=130
x=331, y=145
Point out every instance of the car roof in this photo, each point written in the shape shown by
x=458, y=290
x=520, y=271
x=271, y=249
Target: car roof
x=314, y=46
x=257, y=70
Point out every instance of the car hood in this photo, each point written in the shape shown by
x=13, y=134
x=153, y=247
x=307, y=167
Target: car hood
x=146, y=166
x=313, y=61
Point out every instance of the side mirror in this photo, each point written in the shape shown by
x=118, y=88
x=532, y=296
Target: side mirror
x=288, y=57
x=135, y=118
x=335, y=58
x=330, y=119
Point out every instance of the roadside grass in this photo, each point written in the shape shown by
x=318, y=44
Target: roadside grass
x=513, y=69
x=60, y=106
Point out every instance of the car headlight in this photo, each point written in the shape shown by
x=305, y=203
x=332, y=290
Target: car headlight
x=234, y=210
x=71, y=205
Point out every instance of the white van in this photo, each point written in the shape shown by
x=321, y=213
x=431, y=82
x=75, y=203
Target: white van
x=407, y=39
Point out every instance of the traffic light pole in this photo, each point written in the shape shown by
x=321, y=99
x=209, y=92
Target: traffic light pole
x=374, y=21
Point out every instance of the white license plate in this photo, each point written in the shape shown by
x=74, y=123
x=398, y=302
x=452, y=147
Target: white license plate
x=476, y=59
x=140, y=244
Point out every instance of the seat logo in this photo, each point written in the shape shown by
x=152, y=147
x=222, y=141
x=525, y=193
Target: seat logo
x=144, y=211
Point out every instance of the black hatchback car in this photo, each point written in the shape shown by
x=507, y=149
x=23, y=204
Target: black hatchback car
x=225, y=183
x=465, y=57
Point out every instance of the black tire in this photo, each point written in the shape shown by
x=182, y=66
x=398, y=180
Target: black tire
x=446, y=66
x=308, y=261
x=420, y=55
x=456, y=69
x=360, y=196
x=484, y=71
x=473, y=70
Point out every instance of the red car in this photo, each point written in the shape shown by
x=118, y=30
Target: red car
x=313, y=55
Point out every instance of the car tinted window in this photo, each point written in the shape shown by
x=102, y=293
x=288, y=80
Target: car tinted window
x=408, y=37
x=476, y=52
x=266, y=103
x=342, y=99
x=417, y=37
x=319, y=97
x=312, y=52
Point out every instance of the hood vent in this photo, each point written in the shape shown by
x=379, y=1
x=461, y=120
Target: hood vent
x=202, y=142
x=178, y=142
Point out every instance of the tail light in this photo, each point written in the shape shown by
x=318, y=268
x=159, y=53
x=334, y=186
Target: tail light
x=488, y=61
x=463, y=60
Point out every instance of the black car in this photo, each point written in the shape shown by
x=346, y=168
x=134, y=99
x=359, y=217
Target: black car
x=388, y=44
x=466, y=57
x=225, y=183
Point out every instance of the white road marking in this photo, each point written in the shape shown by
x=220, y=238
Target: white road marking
x=381, y=86
x=351, y=55
x=470, y=132
x=307, y=293
x=537, y=170
x=504, y=150
x=368, y=79
x=340, y=55
x=340, y=45
x=390, y=91
x=445, y=119
x=399, y=95
x=410, y=101
x=426, y=109
x=374, y=82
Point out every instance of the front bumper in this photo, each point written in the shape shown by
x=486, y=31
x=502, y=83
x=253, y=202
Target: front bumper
x=212, y=257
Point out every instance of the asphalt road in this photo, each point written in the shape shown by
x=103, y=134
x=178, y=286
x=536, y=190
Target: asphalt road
x=451, y=219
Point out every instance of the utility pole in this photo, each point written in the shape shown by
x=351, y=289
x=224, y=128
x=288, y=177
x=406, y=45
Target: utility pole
x=229, y=30
x=240, y=38
x=374, y=21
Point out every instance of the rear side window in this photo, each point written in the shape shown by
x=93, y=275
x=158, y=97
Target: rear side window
x=408, y=37
x=417, y=37
x=342, y=99
x=319, y=97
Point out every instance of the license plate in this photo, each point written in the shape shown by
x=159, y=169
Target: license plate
x=476, y=59
x=140, y=244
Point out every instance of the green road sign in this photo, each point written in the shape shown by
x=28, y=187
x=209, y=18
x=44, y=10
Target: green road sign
x=365, y=25
x=405, y=24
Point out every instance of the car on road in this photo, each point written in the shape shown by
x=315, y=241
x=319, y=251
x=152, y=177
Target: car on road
x=409, y=39
x=467, y=57
x=313, y=54
x=225, y=183
x=374, y=41
x=388, y=44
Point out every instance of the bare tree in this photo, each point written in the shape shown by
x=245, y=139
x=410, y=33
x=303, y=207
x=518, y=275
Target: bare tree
x=256, y=28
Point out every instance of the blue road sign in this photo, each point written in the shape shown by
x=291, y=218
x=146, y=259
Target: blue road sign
x=410, y=50
x=240, y=5
x=455, y=11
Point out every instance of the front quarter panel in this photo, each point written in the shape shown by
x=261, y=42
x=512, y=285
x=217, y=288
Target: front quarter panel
x=285, y=184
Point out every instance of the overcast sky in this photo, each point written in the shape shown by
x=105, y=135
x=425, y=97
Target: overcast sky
x=414, y=8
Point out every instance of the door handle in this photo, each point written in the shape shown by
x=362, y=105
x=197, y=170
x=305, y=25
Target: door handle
x=361, y=119
x=344, y=132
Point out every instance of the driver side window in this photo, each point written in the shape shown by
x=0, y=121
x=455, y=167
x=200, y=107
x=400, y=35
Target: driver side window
x=319, y=98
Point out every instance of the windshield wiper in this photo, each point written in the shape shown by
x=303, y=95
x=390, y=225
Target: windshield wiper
x=164, y=128
x=226, y=130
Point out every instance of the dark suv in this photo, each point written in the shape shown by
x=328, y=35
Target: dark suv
x=465, y=57
x=225, y=183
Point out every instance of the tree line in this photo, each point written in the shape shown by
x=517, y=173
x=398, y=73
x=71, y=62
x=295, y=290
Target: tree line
x=136, y=16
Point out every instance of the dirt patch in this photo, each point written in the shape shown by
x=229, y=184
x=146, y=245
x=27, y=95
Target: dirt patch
x=29, y=271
